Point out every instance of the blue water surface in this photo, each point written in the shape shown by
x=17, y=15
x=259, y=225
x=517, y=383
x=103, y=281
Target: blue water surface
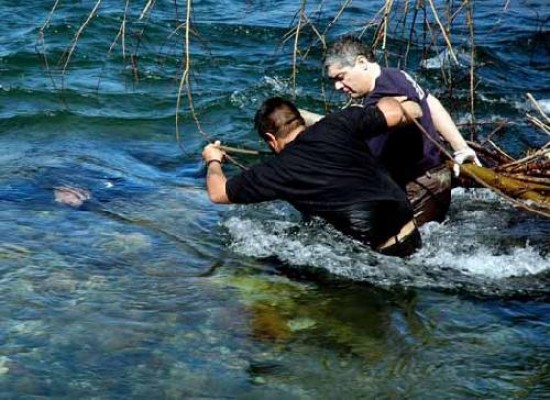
x=147, y=290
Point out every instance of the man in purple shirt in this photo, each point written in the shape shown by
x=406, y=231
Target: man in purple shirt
x=414, y=161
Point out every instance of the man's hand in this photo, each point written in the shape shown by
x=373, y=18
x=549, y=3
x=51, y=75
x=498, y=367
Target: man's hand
x=212, y=151
x=466, y=154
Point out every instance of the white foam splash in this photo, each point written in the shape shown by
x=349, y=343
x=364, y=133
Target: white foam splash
x=545, y=105
x=268, y=86
x=280, y=86
x=446, y=59
x=476, y=247
x=314, y=245
x=481, y=262
x=526, y=105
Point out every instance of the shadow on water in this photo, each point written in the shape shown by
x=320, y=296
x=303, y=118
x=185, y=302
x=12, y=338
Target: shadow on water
x=103, y=216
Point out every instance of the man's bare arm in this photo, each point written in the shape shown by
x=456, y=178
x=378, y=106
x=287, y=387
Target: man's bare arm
x=397, y=113
x=215, y=178
x=310, y=117
x=445, y=125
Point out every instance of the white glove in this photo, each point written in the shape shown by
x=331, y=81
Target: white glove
x=461, y=156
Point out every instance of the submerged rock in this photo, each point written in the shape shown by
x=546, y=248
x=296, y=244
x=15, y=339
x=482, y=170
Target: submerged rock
x=60, y=282
x=299, y=324
x=268, y=323
x=13, y=251
x=127, y=243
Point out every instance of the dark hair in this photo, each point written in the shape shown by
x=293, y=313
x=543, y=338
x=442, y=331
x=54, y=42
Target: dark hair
x=344, y=52
x=278, y=117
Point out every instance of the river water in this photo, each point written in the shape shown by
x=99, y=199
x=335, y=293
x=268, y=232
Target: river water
x=149, y=291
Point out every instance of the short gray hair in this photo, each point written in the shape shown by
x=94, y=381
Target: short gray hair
x=344, y=52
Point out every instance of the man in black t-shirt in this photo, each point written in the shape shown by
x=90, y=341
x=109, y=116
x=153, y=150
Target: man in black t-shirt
x=326, y=170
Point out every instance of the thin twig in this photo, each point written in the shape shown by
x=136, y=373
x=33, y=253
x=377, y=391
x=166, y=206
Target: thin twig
x=232, y=159
x=538, y=107
x=538, y=123
x=139, y=35
x=499, y=157
x=295, y=49
x=542, y=152
x=500, y=151
x=337, y=16
x=121, y=33
x=427, y=135
x=379, y=26
x=41, y=42
x=389, y=4
x=316, y=32
x=457, y=11
x=411, y=35
x=49, y=17
x=78, y=34
x=184, y=80
x=501, y=125
x=185, y=83
x=470, y=18
x=531, y=179
x=237, y=150
x=443, y=32
x=146, y=9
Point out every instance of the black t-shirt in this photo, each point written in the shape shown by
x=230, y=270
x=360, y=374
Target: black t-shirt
x=328, y=167
x=405, y=151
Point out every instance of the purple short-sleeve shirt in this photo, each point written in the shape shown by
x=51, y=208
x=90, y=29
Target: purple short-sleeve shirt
x=405, y=152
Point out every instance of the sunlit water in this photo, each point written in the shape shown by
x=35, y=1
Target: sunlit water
x=149, y=291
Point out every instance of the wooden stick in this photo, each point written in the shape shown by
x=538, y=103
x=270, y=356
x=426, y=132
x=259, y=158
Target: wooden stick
x=532, y=179
x=146, y=9
x=427, y=135
x=538, y=123
x=229, y=149
x=501, y=152
x=473, y=175
x=471, y=171
x=538, y=153
x=495, y=154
